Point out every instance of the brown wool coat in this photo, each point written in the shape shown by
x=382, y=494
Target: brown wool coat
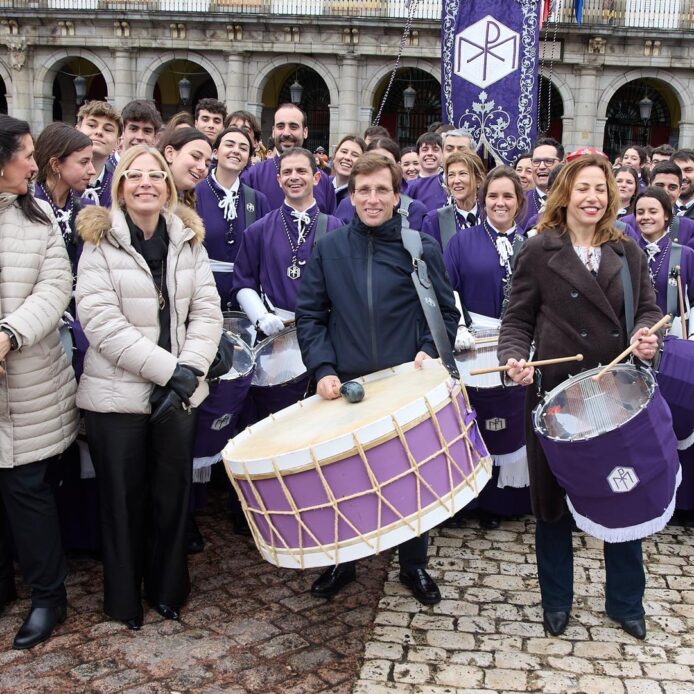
x=557, y=303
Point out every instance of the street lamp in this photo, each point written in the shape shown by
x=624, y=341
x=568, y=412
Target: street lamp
x=409, y=96
x=184, y=89
x=645, y=109
x=295, y=92
x=80, y=88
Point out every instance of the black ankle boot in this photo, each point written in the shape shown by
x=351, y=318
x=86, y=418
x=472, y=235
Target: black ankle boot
x=39, y=625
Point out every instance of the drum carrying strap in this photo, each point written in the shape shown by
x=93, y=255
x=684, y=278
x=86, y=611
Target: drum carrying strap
x=249, y=197
x=447, y=226
x=321, y=228
x=672, y=297
x=412, y=242
x=404, y=209
x=628, y=296
x=674, y=230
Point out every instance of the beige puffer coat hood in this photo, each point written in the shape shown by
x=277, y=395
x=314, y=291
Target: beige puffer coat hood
x=38, y=417
x=118, y=307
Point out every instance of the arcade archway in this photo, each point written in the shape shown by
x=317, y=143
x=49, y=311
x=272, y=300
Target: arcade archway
x=76, y=81
x=168, y=94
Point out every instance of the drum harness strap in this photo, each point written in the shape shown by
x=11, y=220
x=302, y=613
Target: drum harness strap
x=404, y=209
x=628, y=295
x=447, y=226
x=412, y=242
x=249, y=197
x=675, y=260
x=674, y=230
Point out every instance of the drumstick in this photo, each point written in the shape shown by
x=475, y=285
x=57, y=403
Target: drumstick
x=660, y=324
x=680, y=295
x=542, y=362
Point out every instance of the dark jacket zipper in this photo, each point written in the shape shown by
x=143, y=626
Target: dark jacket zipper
x=369, y=293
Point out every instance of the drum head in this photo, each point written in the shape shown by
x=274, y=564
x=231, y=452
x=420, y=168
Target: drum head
x=238, y=323
x=581, y=408
x=482, y=357
x=278, y=360
x=244, y=359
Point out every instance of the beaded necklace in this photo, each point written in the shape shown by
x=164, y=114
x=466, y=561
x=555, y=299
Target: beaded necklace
x=294, y=270
x=229, y=213
x=63, y=216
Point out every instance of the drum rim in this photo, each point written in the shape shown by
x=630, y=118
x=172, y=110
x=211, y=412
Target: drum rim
x=269, y=340
x=247, y=348
x=336, y=448
x=645, y=372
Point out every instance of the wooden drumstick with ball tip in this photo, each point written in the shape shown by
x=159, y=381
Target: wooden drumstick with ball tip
x=542, y=362
x=680, y=295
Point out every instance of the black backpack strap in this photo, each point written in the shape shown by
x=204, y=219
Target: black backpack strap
x=628, y=295
x=672, y=297
x=250, y=210
x=321, y=228
x=518, y=241
x=446, y=216
x=412, y=242
x=674, y=230
x=404, y=209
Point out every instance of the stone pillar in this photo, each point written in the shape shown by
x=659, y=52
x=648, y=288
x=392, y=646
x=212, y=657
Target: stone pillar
x=586, y=106
x=366, y=116
x=123, y=78
x=236, y=96
x=335, y=129
x=349, y=97
x=41, y=113
x=686, y=139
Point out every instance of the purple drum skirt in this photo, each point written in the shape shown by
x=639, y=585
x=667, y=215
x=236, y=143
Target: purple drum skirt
x=621, y=485
x=676, y=381
x=685, y=493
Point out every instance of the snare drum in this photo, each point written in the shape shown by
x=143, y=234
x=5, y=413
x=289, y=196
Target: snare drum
x=611, y=446
x=500, y=408
x=676, y=381
x=325, y=481
x=218, y=415
x=280, y=378
x=238, y=323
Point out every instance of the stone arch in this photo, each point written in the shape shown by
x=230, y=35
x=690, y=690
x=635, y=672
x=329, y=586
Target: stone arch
x=50, y=66
x=369, y=89
x=262, y=76
x=677, y=87
x=565, y=92
x=152, y=70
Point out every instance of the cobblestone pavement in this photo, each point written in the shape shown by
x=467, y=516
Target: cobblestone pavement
x=247, y=627
x=486, y=635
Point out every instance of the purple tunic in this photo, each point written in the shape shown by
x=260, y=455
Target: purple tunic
x=474, y=270
x=416, y=212
x=208, y=193
x=263, y=177
x=659, y=270
x=429, y=191
x=684, y=237
x=102, y=191
x=265, y=254
x=532, y=209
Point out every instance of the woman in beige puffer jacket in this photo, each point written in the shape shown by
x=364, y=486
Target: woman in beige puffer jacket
x=38, y=418
x=149, y=307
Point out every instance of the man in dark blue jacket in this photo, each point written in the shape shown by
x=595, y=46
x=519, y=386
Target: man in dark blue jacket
x=358, y=312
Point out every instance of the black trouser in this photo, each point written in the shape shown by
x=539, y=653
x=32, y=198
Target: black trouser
x=412, y=554
x=32, y=521
x=144, y=473
x=625, y=580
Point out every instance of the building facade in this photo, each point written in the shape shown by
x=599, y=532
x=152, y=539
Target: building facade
x=249, y=53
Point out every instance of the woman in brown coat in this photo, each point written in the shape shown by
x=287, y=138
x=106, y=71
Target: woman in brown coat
x=567, y=297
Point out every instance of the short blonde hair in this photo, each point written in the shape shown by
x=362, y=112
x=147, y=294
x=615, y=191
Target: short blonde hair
x=127, y=158
x=473, y=164
x=554, y=215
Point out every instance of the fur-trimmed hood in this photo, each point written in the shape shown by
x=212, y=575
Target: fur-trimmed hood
x=94, y=222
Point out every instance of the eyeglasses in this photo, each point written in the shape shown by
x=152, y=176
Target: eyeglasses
x=135, y=176
x=366, y=191
x=549, y=161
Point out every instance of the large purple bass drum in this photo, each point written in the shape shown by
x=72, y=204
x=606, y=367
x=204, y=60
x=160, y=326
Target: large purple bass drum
x=611, y=446
x=676, y=382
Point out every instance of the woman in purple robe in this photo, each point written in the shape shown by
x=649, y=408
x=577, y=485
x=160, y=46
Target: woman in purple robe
x=348, y=150
x=480, y=262
x=227, y=207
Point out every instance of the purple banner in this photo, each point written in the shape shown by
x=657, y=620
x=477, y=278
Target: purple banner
x=489, y=72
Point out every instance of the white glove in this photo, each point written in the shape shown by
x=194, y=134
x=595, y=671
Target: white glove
x=270, y=324
x=257, y=313
x=464, y=339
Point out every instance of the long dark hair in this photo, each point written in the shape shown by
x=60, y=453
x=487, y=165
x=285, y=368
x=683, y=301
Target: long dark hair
x=11, y=132
x=178, y=138
x=57, y=141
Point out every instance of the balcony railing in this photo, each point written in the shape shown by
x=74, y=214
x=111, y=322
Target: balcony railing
x=644, y=14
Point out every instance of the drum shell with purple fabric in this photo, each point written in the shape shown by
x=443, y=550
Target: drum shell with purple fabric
x=219, y=413
x=500, y=409
x=280, y=378
x=324, y=482
x=676, y=382
x=611, y=446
